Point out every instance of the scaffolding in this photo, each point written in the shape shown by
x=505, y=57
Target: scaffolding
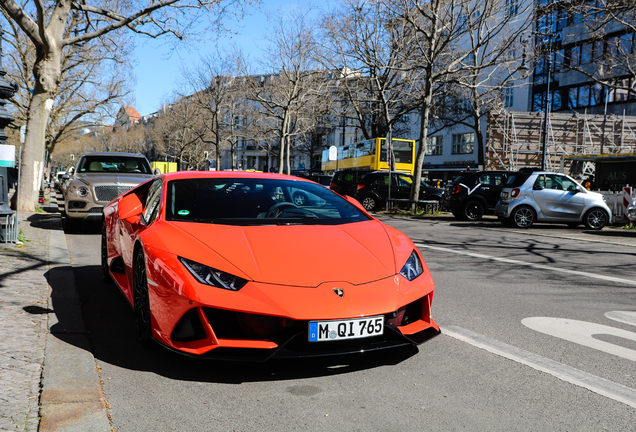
x=515, y=139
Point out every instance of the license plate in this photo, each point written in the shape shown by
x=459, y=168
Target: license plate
x=321, y=331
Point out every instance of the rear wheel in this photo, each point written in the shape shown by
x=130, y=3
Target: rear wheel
x=523, y=217
x=142, y=300
x=369, y=203
x=595, y=219
x=473, y=211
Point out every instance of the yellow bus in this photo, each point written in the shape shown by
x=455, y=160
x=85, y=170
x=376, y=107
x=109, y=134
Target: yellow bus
x=372, y=154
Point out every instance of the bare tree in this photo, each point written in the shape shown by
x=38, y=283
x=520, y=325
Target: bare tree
x=213, y=83
x=366, y=42
x=292, y=79
x=494, y=30
x=54, y=26
x=95, y=77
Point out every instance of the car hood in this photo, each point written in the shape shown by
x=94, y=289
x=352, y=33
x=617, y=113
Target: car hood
x=113, y=178
x=294, y=254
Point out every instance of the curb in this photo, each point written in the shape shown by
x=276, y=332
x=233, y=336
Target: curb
x=71, y=398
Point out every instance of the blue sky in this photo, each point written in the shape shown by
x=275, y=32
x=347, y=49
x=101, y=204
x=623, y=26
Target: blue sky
x=158, y=70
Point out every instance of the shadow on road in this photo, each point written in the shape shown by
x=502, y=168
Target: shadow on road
x=110, y=322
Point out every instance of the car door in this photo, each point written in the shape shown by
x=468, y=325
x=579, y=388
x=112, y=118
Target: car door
x=403, y=183
x=490, y=186
x=558, y=197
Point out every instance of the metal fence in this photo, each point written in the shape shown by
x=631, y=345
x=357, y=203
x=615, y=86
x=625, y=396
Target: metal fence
x=618, y=202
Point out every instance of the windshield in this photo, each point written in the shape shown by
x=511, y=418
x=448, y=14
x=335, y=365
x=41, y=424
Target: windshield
x=114, y=164
x=245, y=201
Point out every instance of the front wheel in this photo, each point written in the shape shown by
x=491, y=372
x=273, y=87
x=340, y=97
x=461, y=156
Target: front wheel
x=142, y=300
x=369, y=203
x=522, y=217
x=595, y=219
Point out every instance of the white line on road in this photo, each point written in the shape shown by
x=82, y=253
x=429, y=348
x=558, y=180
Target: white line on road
x=528, y=264
x=626, y=317
x=563, y=372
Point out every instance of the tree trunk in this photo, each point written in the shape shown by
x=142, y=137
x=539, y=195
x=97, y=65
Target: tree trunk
x=33, y=150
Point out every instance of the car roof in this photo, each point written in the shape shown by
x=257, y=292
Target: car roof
x=114, y=154
x=229, y=174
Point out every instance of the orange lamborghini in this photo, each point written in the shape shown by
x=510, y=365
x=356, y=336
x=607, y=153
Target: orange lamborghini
x=229, y=265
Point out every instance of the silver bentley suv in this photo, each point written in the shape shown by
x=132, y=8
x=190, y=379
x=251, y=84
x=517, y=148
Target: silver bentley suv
x=97, y=179
x=539, y=196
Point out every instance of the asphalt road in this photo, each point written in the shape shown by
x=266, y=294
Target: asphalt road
x=495, y=367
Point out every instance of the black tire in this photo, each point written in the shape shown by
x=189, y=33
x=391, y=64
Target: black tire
x=369, y=202
x=141, y=300
x=595, y=219
x=300, y=199
x=473, y=211
x=104, y=253
x=523, y=217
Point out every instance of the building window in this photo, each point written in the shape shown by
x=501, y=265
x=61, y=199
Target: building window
x=508, y=92
x=463, y=143
x=434, y=145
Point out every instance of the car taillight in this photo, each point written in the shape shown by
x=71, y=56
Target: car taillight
x=514, y=193
x=360, y=186
x=331, y=185
x=455, y=189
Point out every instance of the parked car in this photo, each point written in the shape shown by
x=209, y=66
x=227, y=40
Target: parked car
x=97, y=179
x=57, y=180
x=474, y=194
x=212, y=266
x=373, y=189
x=345, y=182
x=540, y=196
x=631, y=211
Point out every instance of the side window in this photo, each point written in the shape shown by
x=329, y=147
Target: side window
x=553, y=182
x=500, y=179
x=540, y=181
x=152, y=202
x=485, y=179
x=567, y=183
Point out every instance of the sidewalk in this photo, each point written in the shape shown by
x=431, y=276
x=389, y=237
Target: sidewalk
x=46, y=384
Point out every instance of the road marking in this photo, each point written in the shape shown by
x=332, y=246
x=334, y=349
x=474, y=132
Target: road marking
x=582, y=333
x=622, y=316
x=533, y=265
x=563, y=372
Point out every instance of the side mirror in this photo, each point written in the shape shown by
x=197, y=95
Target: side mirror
x=130, y=208
x=537, y=187
x=66, y=177
x=573, y=189
x=157, y=171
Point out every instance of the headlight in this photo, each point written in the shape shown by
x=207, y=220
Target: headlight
x=216, y=278
x=82, y=191
x=413, y=267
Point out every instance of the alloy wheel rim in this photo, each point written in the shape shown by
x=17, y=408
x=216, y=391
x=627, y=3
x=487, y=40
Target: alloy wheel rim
x=596, y=219
x=523, y=217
